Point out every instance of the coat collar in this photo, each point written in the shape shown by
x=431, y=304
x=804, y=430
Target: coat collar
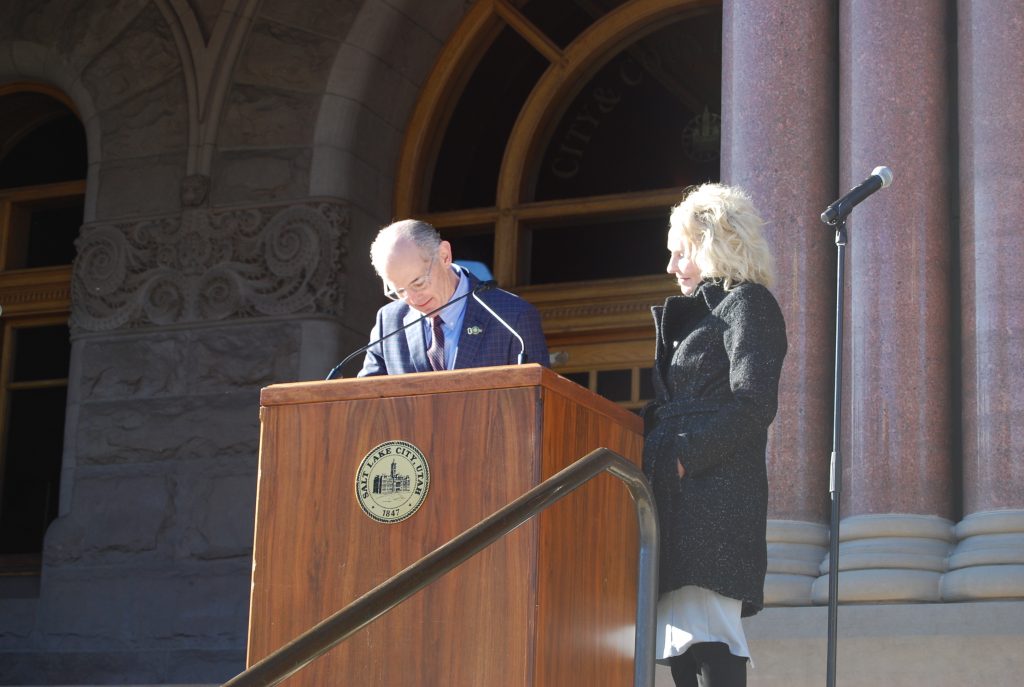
x=475, y=317
x=710, y=293
x=678, y=308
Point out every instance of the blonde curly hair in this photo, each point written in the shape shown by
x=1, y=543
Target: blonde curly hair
x=721, y=231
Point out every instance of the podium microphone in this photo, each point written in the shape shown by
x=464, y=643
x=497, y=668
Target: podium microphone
x=522, y=344
x=880, y=178
x=482, y=286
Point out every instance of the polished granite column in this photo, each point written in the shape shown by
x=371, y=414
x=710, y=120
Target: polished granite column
x=894, y=110
x=778, y=143
x=988, y=561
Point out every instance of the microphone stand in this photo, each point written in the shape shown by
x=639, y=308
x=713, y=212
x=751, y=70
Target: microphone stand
x=835, y=216
x=836, y=463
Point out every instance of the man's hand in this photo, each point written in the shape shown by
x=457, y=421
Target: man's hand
x=680, y=470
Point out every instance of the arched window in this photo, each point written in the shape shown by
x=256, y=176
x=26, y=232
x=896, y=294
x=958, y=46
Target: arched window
x=42, y=186
x=549, y=143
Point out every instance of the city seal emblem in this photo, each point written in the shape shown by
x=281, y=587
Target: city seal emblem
x=392, y=481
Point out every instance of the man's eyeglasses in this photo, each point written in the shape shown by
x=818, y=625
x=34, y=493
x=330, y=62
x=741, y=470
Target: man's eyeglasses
x=415, y=286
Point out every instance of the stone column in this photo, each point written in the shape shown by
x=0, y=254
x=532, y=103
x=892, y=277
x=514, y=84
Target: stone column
x=897, y=452
x=989, y=558
x=779, y=144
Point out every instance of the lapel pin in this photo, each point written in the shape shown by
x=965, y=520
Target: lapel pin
x=474, y=330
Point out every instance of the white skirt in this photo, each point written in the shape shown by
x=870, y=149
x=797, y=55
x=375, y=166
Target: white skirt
x=689, y=615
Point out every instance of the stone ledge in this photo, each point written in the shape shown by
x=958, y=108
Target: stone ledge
x=142, y=667
x=935, y=644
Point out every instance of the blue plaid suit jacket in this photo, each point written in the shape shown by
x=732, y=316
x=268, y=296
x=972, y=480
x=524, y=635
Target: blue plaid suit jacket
x=483, y=342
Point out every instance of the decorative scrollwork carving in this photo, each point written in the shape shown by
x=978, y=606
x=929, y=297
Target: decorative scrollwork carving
x=210, y=265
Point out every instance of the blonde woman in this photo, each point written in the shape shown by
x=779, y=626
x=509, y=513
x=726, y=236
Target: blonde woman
x=718, y=356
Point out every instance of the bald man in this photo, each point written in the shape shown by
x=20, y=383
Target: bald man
x=419, y=276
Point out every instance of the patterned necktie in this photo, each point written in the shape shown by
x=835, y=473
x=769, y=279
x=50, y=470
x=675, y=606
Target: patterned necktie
x=435, y=354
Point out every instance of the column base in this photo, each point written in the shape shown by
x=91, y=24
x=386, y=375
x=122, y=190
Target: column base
x=795, y=550
x=988, y=561
x=888, y=558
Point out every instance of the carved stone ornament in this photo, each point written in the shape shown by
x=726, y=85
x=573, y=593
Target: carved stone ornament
x=210, y=265
x=195, y=188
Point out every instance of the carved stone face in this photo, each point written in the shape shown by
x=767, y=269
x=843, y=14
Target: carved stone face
x=194, y=189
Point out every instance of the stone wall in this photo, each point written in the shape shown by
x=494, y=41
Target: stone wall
x=241, y=158
x=179, y=320
x=142, y=570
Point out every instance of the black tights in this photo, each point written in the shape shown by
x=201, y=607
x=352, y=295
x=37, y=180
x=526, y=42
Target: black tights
x=709, y=664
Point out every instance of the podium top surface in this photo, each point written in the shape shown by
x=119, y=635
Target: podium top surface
x=452, y=381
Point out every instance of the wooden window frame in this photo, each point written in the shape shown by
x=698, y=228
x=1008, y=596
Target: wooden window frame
x=30, y=297
x=585, y=321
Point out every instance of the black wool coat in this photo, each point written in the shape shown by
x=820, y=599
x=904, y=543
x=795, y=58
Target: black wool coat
x=716, y=379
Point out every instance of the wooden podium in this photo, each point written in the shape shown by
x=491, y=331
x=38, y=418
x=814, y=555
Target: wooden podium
x=551, y=604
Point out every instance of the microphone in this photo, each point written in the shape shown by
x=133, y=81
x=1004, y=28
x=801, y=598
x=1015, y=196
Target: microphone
x=522, y=344
x=482, y=286
x=880, y=178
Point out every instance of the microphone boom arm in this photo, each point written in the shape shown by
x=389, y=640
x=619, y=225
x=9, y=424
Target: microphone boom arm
x=522, y=358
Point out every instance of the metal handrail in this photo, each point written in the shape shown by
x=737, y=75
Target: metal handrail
x=316, y=641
